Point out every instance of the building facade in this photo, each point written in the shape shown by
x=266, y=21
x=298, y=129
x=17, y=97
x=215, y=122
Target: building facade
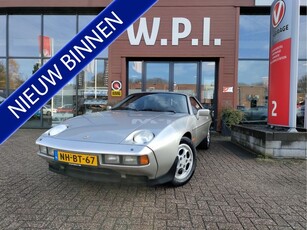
x=215, y=50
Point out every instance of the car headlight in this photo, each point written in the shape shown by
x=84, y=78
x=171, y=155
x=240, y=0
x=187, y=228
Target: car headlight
x=142, y=137
x=56, y=130
x=111, y=159
x=130, y=160
x=43, y=149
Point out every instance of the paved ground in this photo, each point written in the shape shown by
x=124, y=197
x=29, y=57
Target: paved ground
x=231, y=189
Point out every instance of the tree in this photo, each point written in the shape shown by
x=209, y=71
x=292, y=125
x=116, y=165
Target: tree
x=14, y=75
x=302, y=85
x=2, y=76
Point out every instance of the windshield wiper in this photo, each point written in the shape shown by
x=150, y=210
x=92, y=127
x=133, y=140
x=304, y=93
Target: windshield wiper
x=125, y=108
x=156, y=110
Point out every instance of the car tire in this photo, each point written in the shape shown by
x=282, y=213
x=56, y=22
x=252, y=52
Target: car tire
x=206, y=142
x=186, y=162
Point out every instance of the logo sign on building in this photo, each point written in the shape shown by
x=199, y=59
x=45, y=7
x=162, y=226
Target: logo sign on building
x=116, y=88
x=68, y=62
x=181, y=30
x=283, y=63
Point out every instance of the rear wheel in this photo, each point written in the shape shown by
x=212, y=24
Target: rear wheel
x=186, y=162
x=205, y=144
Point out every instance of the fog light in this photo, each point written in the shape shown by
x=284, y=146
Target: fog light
x=130, y=160
x=111, y=159
x=43, y=149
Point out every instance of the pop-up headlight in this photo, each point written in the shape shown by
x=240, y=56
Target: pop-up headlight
x=56, y=130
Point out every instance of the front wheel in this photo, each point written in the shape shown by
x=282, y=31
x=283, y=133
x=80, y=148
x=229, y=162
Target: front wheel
x=186, y=162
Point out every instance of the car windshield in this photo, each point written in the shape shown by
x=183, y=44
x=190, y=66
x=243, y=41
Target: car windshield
x=157, y=102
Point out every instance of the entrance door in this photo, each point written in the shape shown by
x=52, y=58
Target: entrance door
x=185, y=77
x=195, y=78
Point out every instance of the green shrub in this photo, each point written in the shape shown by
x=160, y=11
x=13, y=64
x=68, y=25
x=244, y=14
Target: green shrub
x=232, y=117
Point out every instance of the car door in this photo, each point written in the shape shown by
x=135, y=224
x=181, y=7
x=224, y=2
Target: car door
x=201, y=123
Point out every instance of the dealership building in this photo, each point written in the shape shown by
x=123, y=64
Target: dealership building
x=216, y=50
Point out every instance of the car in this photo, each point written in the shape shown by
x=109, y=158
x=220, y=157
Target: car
x=48, y=111
x=67, y=108
x=300, y=114
x=1, y=99
x=149, y=137
x=259, y=113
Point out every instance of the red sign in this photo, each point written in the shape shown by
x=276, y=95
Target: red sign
x=47, y=46
x=278, y=13
x=283, y=63
x=279, y=96
x=116, y=85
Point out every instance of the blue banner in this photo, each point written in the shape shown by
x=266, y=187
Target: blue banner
x=68, y=62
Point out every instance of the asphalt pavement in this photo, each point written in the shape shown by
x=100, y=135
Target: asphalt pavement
x=231, y=189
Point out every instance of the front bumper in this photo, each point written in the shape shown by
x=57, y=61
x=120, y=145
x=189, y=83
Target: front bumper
x=149, y=170
x=152, y=171
x=109, y=175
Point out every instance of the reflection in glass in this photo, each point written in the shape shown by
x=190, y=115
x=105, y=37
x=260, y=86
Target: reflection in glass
x=59, y=29
x=207, y=84
x=254, y=36
x=157, y=76
x=24, y=31
x=20, y=70
x=185, y=78
x=135, y=76
x=253, y=89
x=93, y=87
x=2, y=79
x=2, y=35
x=84, y=20
x=301, y=93
x=303, y=37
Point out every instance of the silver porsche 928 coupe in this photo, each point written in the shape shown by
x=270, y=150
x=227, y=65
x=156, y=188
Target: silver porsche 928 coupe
x=149, y=137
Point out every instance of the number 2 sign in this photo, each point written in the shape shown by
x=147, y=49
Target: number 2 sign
x=283, y=63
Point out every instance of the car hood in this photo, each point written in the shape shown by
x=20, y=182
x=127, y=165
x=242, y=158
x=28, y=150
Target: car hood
x=114, y=126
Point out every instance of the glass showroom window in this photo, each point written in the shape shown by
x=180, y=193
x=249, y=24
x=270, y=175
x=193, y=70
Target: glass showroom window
x=185, y=77
x=157, y=76
x=253, y=89
x=207, y=92
x=254, y=36
x=135, y=76
x=83, y=21
x=93, y=79
x=24, y=32
x=301, y=92
x=58, y=31
x=253, y=66
x=2, y=79
x=93, y=87
x=302, y=73
x=2, y=35
x=20, y=70
x=303, y=38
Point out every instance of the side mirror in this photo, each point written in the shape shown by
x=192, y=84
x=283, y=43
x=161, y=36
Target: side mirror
x=203, y=113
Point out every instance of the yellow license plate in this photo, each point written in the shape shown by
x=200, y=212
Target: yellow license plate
x=76, y=158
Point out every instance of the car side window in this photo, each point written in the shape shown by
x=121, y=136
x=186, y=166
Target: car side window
x=195, y=105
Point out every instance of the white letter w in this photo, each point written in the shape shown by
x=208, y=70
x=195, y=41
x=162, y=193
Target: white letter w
x=143, y=32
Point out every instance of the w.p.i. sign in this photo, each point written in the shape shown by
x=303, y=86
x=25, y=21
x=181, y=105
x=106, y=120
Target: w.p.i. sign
x=68, y=62
x=283, y=63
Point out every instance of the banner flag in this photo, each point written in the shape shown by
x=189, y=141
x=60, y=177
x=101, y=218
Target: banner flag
x=68, y=62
